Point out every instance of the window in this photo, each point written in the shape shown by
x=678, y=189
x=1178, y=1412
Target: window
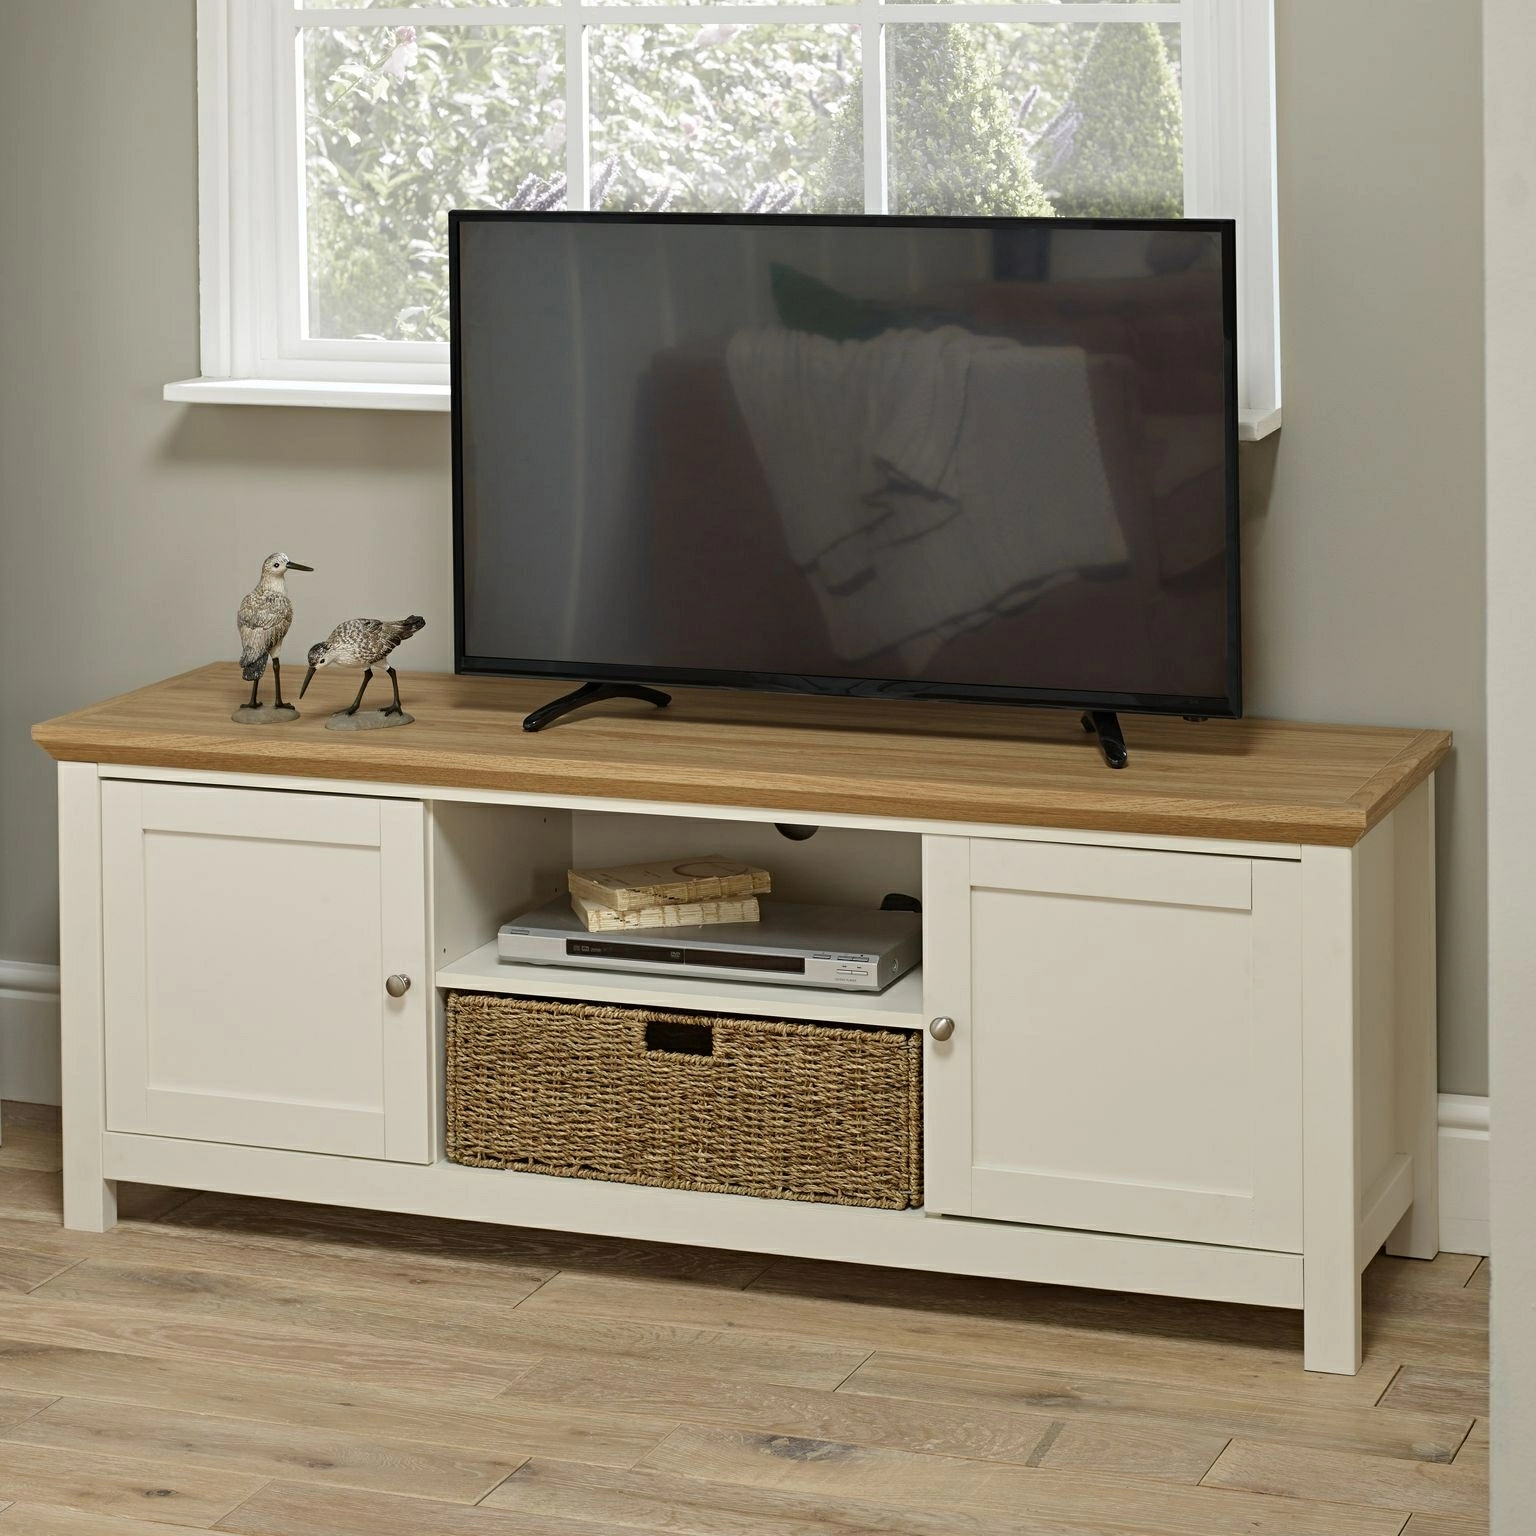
x=334, y=138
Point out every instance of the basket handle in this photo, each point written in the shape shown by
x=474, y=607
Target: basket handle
x=679, y=1038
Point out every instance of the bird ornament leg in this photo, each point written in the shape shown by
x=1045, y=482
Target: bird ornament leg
x=394, y=682
x=254, y=702
x=277, y=682
x=367, y=678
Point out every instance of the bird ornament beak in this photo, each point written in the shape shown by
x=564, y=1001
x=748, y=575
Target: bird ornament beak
x=307, y=677
x=293, y=565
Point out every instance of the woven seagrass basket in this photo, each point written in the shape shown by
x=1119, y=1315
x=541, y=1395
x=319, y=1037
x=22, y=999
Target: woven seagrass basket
x=782, y=1110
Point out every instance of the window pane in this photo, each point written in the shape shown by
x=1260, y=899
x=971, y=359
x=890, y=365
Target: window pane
x=720, y=118
x=401, y=124
x=1083, y=119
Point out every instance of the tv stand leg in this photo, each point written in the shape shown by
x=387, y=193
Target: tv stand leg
x=591, y=693
x=1105, y=724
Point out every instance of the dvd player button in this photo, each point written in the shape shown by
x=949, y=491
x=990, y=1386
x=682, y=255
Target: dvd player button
x=821, y=957
x=857, y=959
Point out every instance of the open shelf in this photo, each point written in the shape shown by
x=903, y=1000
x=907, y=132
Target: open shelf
x=900, y=1006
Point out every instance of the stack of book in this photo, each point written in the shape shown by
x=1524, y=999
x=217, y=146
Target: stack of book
x=681, y=893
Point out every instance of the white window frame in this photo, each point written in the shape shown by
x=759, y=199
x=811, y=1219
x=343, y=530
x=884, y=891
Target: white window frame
x=251, y=173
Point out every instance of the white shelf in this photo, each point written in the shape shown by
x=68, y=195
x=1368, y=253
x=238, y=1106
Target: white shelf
x=900, y=1006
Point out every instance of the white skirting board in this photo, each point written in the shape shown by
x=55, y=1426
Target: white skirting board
x=1463, y=1173
x=29, y=1032
x=29, y=1071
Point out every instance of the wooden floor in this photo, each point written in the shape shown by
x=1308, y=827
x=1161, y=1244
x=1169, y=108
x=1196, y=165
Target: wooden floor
x=285, y=1370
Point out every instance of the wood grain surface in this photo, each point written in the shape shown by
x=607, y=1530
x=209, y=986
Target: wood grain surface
x=273, y=1369
x=1274, y=781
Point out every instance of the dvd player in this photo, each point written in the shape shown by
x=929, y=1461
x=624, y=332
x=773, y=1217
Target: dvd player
x=852, y=948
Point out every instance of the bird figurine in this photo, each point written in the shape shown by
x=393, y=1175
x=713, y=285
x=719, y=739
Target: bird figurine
x=264, y=616
x=363, y=643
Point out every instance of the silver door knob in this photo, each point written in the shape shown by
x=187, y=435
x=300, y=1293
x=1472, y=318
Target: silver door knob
x=397, y=986
x=942, y=1027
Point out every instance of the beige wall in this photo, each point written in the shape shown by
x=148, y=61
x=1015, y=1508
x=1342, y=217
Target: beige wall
x=1364, y=557
x=130, y=527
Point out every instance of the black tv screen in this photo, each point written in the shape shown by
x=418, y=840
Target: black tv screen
x=991, y=459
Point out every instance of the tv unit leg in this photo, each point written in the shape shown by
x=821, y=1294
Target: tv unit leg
x=1105, y=724
x=591, y=693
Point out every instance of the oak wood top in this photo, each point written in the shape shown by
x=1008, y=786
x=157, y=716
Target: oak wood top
x=1265, y=780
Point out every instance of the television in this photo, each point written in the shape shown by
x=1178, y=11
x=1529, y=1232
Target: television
x=982, y=459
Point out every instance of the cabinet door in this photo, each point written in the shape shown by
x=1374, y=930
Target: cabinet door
x=1127, y=1049
x=248, y=938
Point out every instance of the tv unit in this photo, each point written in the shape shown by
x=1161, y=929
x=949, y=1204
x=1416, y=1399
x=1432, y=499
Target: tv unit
x=981, y=459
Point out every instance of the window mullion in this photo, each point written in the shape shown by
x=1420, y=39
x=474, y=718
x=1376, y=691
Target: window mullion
x=578, y=97
x=872, y=81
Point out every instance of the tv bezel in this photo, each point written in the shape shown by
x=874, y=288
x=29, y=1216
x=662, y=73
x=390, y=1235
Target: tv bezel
x=1227, y=706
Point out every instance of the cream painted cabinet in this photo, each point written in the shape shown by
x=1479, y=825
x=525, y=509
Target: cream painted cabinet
x=248, y=941
x=1126, y=1050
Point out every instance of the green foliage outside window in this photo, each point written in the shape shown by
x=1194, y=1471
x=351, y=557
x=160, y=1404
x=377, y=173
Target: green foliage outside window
x=1118, y=149
x=955, y=144
x=404, y=123
x=696, y=119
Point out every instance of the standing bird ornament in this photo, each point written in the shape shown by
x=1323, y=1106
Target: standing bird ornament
x=264, y=616
x=363, y=643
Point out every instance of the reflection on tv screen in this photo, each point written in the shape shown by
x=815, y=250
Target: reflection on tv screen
x=993, y=455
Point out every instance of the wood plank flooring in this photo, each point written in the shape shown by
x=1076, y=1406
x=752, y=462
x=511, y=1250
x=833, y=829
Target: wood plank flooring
x=274, y=1369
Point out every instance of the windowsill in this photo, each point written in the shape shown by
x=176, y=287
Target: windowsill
x=326, y=392
x=1252, y=425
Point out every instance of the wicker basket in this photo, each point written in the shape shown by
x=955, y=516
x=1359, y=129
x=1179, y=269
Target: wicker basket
x=761, y=1107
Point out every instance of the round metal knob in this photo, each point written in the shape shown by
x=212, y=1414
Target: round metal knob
x=397, y=986
x=942, y=1027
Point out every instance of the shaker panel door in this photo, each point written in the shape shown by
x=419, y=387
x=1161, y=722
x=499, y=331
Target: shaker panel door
x=1127, y=1050
x=249, y=935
